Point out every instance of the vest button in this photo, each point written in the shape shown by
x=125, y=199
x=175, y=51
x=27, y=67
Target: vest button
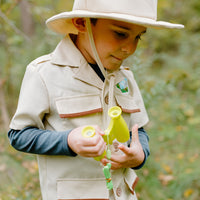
x=106, y=99
x=116, y=144
x=119, y=191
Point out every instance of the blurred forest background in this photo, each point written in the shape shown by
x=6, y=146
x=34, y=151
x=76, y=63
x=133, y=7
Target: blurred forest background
x=167, y=68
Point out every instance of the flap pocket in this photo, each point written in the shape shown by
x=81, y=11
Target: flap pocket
x=127, y=104
x=131, y=179
x=82, y=189
x=77, y=106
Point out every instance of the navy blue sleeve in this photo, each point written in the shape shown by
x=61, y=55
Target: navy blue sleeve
x=144, y=140
x=46, y=142
x=43, y=142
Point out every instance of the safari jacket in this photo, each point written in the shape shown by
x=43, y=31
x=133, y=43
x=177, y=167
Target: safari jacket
x=60, y=91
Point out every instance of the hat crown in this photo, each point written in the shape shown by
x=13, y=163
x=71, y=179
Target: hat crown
x=137, y=8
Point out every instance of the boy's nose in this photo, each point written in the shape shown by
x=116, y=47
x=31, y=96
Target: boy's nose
x=129, y=47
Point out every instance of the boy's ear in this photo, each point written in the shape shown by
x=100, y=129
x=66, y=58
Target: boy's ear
x=80, y=24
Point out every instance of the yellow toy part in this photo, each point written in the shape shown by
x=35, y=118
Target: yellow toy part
x=117, y=128
x=88, y=132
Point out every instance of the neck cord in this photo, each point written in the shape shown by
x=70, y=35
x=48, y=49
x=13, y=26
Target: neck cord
x=94, y=50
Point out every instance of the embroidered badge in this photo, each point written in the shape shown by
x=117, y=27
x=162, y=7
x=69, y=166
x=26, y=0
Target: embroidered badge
x=123, y=85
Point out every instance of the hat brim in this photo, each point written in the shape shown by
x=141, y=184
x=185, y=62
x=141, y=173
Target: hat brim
x=62, y=22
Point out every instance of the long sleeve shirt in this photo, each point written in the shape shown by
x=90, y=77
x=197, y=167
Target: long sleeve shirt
x=46, y=142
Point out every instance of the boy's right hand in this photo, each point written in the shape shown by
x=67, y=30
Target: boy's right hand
x=87, y=147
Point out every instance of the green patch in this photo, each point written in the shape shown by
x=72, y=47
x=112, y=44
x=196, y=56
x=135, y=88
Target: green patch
x=123, y=85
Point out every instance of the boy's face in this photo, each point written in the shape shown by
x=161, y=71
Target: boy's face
x=114, y=41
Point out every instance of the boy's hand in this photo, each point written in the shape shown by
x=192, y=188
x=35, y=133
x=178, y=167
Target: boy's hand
x=87, y=147
x=133, y=156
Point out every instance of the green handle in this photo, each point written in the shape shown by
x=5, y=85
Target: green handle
x=106, y=171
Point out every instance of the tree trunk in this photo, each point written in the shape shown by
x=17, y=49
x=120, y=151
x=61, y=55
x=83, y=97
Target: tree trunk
x=27, y=21
x=3, y=110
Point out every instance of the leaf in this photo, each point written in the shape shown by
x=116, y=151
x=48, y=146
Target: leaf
x=31, y=166
x=180, y=156
x=194, y=120
x=165, y=179
x=188, y=171
x=145, y=172
x=188, y=192
x=194, y=158
x=167, y=168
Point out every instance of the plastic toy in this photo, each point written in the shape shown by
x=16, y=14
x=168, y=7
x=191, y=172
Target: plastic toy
x=117, y=129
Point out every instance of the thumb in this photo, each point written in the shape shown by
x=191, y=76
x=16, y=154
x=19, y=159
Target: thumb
x=135, y=136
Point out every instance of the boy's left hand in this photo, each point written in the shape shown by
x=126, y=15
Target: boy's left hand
x=132, y=156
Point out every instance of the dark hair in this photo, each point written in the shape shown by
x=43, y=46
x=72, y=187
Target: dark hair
x=93, y=21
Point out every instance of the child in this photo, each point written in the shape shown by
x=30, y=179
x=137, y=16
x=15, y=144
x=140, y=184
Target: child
x=74, y=87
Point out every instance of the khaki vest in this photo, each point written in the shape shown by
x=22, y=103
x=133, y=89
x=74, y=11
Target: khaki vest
x=60, y=91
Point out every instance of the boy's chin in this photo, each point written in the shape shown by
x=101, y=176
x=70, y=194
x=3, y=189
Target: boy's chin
x=113, y=66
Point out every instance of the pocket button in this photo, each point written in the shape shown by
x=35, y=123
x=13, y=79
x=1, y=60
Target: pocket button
x=118, y=191
x=106, y=99
x=116, y=144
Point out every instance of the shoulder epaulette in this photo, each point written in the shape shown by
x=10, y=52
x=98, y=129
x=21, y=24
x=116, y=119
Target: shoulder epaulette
x=41, y=59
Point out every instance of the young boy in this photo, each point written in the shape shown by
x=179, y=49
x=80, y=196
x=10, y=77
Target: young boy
x=74, y=87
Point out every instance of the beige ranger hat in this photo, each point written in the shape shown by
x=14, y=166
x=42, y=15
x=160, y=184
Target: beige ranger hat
x=141, y=12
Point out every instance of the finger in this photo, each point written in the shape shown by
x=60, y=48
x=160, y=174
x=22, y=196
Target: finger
x=126, y=150
x=118, y=158
x=92, y=151
x=104, y=161
x=99, y=131
x=114, y=165
x=93, y=141
x=135, y=136
x=98, y=147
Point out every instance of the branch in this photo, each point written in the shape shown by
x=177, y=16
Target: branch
x=18, y=31
x=13, y=5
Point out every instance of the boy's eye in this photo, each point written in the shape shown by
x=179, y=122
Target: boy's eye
x=138, y=37
x=121, y=34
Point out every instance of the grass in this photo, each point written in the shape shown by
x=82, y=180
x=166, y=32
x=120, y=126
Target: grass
x=18, y=173
x=172, y=171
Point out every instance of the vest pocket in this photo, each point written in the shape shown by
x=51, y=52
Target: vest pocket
x=94, y=189
x=78, y=106
x=127, y=104
x=131, y=179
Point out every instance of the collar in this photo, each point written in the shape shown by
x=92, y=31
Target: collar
x=67, y=54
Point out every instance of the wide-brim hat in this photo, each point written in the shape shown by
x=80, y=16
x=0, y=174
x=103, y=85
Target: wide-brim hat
x=140, y=12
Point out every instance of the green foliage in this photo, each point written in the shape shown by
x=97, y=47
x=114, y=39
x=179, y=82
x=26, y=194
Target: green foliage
x=172, y=172
x=18, y=173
